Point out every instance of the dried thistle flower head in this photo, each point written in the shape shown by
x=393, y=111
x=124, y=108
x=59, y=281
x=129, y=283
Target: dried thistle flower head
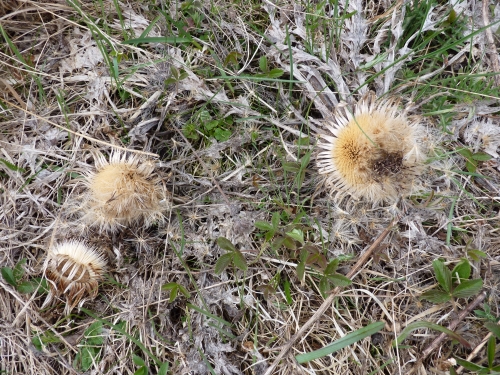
x=372, y=154
x=123, y=191
x=73, y=269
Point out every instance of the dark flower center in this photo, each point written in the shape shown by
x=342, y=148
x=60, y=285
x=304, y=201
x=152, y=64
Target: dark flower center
x=387, y=164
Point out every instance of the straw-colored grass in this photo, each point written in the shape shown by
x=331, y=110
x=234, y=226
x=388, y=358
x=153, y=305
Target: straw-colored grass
x=226, y=99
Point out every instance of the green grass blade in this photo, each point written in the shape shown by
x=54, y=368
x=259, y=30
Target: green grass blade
x=426, y=56
x=348, y=339
x=123, y=332
x=11, y=166
x=413, y=326
x=209, y=315
x=254, y=78
x=158, y=39
x=148, y=29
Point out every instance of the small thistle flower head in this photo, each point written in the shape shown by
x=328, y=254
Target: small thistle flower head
x=73, y=269
x=123, y=191
x=373, y=154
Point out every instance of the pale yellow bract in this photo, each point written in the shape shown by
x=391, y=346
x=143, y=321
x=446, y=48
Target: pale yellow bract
x=121, y=192
x=373, y=154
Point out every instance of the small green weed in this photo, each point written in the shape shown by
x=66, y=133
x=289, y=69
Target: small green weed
x=14, y=276
x=119, y=327
x=473, y=159
x=90, y=347
x=204, y=124
x=452, y=284
x=485, y=313
x=233, y=256
x=47, y=337
x=174, y=289
x=176, y=76
x=266, y=71
x=143, y=367
x=291, y=238
x=298, y=169
x=491, y=351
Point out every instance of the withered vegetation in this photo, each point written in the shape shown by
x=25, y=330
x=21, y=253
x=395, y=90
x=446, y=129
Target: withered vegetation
x=227, y=97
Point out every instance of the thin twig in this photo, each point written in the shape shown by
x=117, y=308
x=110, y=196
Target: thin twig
x=328, y=302
x=433, y=346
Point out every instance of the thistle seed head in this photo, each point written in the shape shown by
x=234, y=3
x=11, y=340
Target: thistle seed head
x=373, y=154
x=123, y=191
x=73, y=270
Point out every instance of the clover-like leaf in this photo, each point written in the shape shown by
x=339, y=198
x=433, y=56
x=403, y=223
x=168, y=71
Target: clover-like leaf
x=481, y=156
x=332, y=267
x=8, y=276
x=222, y=263
x=339, y=280
x=436, y=296
x=462, y=269
x=468, y=288
x=239, y=260
x=225, y=244
x=297, y=235
x=493, y=328
x=443, y=274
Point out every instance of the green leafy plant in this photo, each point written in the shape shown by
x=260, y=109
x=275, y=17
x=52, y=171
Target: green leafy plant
x=476, y=254
x=233, y=256
x=485, y=313
x=291, y=237
x=232, y=58
x=143, y=367
x=473, y=159
x=14, y=277
x=331, y=278
x=90, y=347
x=119, y=327
x=266, y=71
x=348, y=339
x=204, y=123
x=298, y=168
x=176, y=76
x=174, y=289
x=42, y=339
x=491, y=351
x=452, y=284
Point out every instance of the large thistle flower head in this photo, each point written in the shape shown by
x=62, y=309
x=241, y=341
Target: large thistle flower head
x=372, y=153
x=73, y=270
x=123, y=191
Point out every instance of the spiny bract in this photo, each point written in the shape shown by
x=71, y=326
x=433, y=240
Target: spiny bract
x=121, y=192
x=372, y=154
x=73, y=269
